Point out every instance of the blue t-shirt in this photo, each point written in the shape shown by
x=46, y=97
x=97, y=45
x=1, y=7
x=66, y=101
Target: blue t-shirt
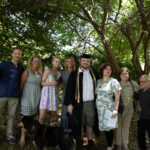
x=10, y=79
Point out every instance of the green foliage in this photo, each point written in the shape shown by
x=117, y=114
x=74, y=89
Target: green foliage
x=48, y=28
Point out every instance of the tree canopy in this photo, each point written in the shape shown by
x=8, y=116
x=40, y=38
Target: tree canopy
x=114, y=31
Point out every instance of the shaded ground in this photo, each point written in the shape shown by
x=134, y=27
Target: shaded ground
x=100, y=141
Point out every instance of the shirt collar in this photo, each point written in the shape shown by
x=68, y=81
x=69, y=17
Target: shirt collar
x=80, y=70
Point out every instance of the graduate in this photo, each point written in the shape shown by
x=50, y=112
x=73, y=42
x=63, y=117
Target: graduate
x=80, y=99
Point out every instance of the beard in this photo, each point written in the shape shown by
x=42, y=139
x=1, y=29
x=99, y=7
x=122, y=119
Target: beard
x=84, y=67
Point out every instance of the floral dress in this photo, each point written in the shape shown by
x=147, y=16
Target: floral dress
x=104, y=100
x=49, y=94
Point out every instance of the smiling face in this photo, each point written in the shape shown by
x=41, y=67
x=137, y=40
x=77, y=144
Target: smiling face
x=85, y=63
x=124, y=76
x=36, y=62
x=107, y=71
x=144, y=82
x=56, y=63
x=69, y=63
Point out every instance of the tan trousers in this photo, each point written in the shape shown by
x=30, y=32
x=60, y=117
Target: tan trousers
x=121, y=134
x=11, y=110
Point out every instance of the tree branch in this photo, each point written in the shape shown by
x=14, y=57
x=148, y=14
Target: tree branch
x=85, y=39
x=146, y=54
x=137, y=45
x=143, y=18
x=105, y=16
x=91, y=10
x=69, y=11
x=120, y=2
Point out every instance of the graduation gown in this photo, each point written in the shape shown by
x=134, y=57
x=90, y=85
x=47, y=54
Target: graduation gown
x=71, y=95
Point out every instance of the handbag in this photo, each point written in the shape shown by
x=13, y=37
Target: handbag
x=120, y=107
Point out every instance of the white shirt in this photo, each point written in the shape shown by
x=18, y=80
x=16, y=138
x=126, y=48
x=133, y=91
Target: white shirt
x=88, y=86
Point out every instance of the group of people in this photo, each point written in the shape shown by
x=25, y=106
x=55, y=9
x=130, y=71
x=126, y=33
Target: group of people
x=87, y=96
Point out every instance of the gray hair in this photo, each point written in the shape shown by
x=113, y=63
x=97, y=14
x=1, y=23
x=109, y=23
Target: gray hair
x=147, y=77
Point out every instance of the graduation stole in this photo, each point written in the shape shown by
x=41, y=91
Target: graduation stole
x=78, y=99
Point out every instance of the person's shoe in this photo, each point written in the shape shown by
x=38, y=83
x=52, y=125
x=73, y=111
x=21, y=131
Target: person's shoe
x=11, y=139
x=91, y=145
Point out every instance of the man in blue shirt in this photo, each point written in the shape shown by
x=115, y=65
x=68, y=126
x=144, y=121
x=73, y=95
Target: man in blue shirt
x=10, y=74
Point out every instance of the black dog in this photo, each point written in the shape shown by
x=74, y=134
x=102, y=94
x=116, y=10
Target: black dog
x=45, y=136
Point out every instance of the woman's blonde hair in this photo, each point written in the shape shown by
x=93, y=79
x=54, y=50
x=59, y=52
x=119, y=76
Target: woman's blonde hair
x=54, y=57
x=70, y=57
x=31, y=60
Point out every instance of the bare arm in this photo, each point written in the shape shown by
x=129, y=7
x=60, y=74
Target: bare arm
x=117, y=98
x=44, y=77
x=23, y=79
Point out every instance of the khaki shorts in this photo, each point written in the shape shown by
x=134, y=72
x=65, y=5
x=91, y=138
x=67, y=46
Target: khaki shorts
x=88, y=113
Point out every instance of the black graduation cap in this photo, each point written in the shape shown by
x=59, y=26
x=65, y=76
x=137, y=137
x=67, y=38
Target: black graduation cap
x=85, y=56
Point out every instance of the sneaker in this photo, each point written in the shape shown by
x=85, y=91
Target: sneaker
x=11, y=139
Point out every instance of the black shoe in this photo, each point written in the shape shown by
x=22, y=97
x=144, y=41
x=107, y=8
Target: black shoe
x=91, y=145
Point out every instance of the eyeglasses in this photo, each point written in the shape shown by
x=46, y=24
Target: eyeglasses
x=143, y=81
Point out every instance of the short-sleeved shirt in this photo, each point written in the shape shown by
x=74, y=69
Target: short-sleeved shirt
x=10, y=79
x=127, y=97
x=104, y=100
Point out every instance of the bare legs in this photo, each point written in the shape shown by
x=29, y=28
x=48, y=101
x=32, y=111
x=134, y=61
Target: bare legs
x=43, y=115
x=89, y=133
x=22, y=138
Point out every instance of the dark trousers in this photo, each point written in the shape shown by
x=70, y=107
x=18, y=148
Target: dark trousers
x=143, y=126
x=109, y=138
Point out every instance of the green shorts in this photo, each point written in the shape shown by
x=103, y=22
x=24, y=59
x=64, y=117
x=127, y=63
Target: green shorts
x=88, y=113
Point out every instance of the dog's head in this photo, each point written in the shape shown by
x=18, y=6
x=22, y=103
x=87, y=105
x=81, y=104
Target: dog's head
x=28, y=123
